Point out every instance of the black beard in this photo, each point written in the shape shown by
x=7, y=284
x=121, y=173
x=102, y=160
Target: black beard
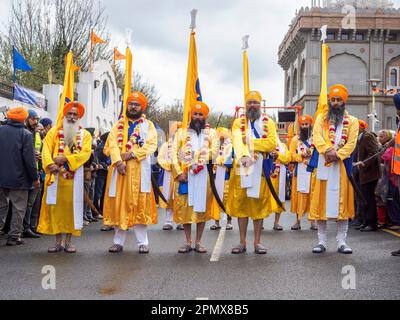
x=336, y=114
x=198, y=125
x=253, y=114
x=305, y=134
x=134, y=115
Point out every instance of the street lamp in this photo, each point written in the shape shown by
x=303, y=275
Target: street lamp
x=374, y=84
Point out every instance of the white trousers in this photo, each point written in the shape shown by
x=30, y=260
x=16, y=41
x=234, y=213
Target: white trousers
x=140, y=233
x=169, y=216
x=341, y=235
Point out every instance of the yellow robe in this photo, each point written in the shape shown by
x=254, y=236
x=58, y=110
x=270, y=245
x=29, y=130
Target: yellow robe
x=130, y=206
x=238, y=204
x=167, y=166
x=283, y=158
x=346, y=198
x=183, y=214
x=59, y=218
x=300, y=202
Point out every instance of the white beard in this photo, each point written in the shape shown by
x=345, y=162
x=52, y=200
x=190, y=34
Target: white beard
x=70, y=132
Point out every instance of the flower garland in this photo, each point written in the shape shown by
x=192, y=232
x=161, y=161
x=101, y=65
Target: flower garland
x=61, y=150
x=196, y=168
x=135, y=138
x=345, y=131
x=265, y=129
x=277, y=169
x=305, y=152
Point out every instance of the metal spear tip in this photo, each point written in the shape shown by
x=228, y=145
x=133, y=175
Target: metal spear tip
x=193, y=14
x=324, y=31
x=245, y=42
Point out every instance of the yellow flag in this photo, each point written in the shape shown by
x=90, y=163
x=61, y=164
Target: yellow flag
x=68, y=90
x=323, y=97
x=193, y=92
x=246, y=74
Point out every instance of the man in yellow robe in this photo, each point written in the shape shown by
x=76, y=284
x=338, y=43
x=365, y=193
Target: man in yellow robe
x=302, y=182
x=335, y=137
x=281, y=158
x=193, y=197
x=254, y=137
x=129, y=198
x=65, y=151
x=164, y=159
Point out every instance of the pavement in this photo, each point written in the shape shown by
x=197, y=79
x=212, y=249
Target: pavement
x=289, y=271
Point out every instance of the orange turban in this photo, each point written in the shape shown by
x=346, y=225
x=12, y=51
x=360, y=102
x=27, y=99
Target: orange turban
x=139, y=98
x=363, y=124
x=254, y=95
x=75, y=104
x=19, y=114
x=306, y=119
x=200, y=106
x=339, y=90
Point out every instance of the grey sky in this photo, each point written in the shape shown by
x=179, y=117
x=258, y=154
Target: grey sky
x=161, y=40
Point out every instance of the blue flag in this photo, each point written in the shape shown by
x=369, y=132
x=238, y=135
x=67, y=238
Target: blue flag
x=20, y=63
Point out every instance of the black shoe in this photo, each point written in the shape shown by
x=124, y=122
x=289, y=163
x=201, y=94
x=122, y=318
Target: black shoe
x=345, y=249
x=319, y=249
x=369, y=229
x=12, y=242
x=360, y=226
x=396, y=254
x=29, y=234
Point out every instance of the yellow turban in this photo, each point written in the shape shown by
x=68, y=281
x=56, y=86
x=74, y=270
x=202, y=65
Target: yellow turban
x=200, y=107
x=339, y=90
x=223, y=133
x=254, y=95
x=19, y=114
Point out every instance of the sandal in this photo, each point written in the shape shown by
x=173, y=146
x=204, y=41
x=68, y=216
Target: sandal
x=296, y=227
x=56, y=249
x=229, y=226
x=240, y=249
x=106, y=229
x=260, y=249
x=278, y=227
x=116, y=248
x=180, y=227
x=69, y=248
x=168, y=227
x=144, y=249
x=215, y=227
x=186, y=248
x=200, y=249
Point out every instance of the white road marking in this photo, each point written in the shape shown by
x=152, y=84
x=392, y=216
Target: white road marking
x=218, y=245
x=205, y=299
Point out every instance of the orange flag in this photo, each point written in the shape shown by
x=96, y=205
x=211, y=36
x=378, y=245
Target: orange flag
x=118, y=55
x=96, y=39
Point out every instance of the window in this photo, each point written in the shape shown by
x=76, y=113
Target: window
x=105, y=94
x=394, y=77
x=331, y=36
x=360, y=36
x=345, y=36
x=393, y=37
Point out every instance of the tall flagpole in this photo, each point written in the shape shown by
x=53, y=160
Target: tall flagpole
x=91, y=52
x=246, y=66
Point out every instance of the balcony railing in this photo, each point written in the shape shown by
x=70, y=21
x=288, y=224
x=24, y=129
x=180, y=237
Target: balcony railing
x=6, y=91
